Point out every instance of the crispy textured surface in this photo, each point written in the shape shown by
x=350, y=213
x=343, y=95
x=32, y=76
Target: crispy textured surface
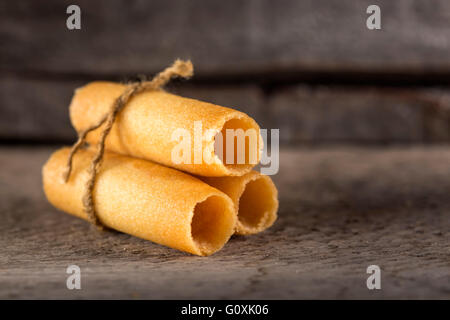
x=255, y=198
x=144, y=128
x=144, y=199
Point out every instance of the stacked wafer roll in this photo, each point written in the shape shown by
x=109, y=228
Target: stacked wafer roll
x=140, y=190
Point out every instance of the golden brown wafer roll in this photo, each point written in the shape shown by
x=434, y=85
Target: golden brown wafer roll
x=255, y=198
x=146, y=125
x=144, y=199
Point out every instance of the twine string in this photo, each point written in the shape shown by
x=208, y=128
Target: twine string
x=179, y=68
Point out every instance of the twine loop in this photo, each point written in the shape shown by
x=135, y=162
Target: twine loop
x=183, y=69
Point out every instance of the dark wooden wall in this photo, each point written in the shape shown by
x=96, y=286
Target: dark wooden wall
x=310, y=68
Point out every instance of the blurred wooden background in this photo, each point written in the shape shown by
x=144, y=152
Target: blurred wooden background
x=310, y=68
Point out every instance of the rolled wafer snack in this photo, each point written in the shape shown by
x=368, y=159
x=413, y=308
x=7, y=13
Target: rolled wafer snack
x=144, y=199
x=255, y=198
x=149, y=125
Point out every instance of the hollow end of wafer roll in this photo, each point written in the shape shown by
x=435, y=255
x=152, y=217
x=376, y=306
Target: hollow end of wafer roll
x=212, y=224
x=252, y=148
x=255, y=200
x=257, y=205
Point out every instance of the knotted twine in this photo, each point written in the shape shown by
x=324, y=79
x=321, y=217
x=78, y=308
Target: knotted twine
x=179, y=68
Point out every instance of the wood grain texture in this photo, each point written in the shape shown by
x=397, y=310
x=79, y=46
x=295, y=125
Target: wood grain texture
x=244, y=53
x=225, y=37
x=341, y=209
x=371, y=115
x=37, y=110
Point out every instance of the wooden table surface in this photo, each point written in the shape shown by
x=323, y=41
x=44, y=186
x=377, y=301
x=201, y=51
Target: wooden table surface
x=341, y=210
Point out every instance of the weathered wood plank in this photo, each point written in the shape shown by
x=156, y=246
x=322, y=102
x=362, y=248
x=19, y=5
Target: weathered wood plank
x=37, y=110
x=365, y=115
x=341, y=209
x=225, y=37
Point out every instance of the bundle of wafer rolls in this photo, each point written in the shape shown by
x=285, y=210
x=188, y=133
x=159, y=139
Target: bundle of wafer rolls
x=140, y=190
